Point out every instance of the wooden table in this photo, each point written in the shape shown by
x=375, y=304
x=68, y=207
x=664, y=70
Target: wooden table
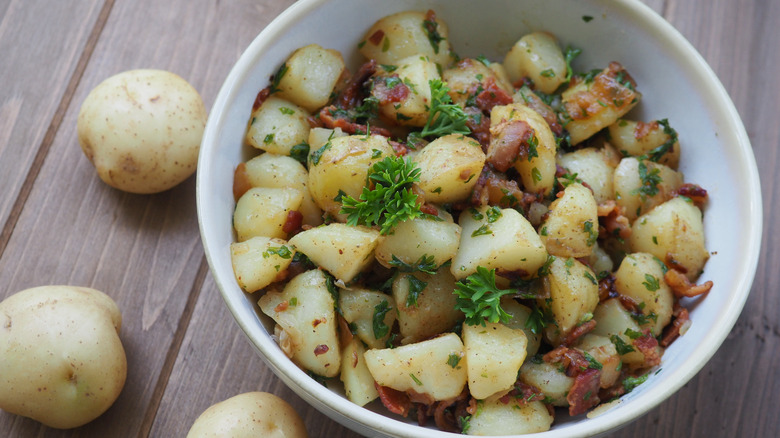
x=62, y=225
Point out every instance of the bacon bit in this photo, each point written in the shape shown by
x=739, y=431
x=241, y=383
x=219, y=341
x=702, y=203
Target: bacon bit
x=492, y=95
x=398, y=93
x=573, y=360
x=347, y=126
x=642, y=129
x=481, y=130
x=447, y=412
x=293, y=221
x=395, y=401
x=523, y=393
x=648, y=346
x=548, y=114
x=693, y=191
x=682, y=287
x=607, y=288
x=315, y=122
x=354, y=359
x=241, y=183
x=584, y=393
x=494, y=189
x=465, y=174
x=508, y=143
x=429, y=209
x=345, y=333
x=321, y=349
x=420, y=397
x=578, y=332
x=377, y=37
x=318, y=321
x=280, y=276
x=399, y=148
x=262, y=95
x=605, y=89
x=281, y=307
x=350, y=97
x=672, y=331
x=629, y=304
x=613, y=391
x=613, y=220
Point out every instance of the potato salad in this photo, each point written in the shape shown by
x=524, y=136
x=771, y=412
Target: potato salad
x=477, y=244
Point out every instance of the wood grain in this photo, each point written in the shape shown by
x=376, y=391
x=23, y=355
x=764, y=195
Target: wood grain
x=62, y=225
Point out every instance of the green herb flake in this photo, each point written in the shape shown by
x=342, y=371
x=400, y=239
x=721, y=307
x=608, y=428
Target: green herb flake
x=587, y=18
x=651, y=283
x=316, y=156
x=570, y=55
x=416, y=380
x=431, y=29
x=479, y=298
x=416, y=286
x=380, y=328
x=279, y=251
x=593, y=232
x=376, y=153
x=620, y=345
x=536, y=174
x=453, y=360
x=481, y=231
x=286, y=111
x=389, y=67
x=277, y=78
x=386, y=45
x=629, y=383
x=548, y=73
x=426, y=263
x=444, y=117
x=533, y=144
x=493, y=214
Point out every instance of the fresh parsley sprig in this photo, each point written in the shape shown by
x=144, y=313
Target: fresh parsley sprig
x=480, y=299
x=390, y=200
x=444, y=117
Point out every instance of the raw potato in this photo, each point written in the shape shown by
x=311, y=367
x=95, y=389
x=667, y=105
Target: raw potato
x=141, y=129
x=61, y=360
x=250, y=414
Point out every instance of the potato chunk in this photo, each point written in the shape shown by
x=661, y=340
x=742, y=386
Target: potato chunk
x=409, y=33
x=592, y=166
x=634, y=139
x=340, y=249
x=358, y=382
x=277, y=125
x=495, y=417
x=642, y=185
x=257, y=262
x=572, y=225
x=494, y=353
x=426, y=304
x=449, y=168
x=309, y=76
x=574, y=295
x=641, y=278
x=263, y=211
x=537, y=56
x=413, y=240
x=361, y=307
x=414, y=73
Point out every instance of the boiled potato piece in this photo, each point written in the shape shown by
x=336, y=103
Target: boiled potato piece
x=426, y=304
x=263, y=211
x=61, y=360
x=360, y=307
x=469, y=77
x=553, y=383
x=572, y=225
x=413, y=240
x=259, y=261
x=495, y=417
x=615, y=322
x=141, y=129
x=595, y=104
x=247, y=415
x=674, y=233
x=537, y=165
x=309, y=76
x=409, y=33
x=319, y=136
x=277, y=125
x=634, y=139
x=591, y=166
x=642, y=185
x=519, y=320
x=305, y=312
x=497, y=239
x=341, y=165
x=340, y=249
x=449, y=168
x=358, y=382
x=600, y=261
x=574, y=295
x=415, y=73
x=280, y=171
x=538, y=57
x=641, y=278
x=430, y=367
x=604, y=352
x=494, y=353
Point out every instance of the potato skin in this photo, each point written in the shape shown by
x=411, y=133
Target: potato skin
x=141, y=129
x=251, y=414
x=61, y=360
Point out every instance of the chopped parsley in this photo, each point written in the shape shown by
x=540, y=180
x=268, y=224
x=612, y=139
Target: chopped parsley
x=593, y=232
x=416, y=286
x=278, y=78
x=280, y=251
x=480, y=299
x=426, y=263
x=444, y=117
x=620, y=345
x=300, y=152
x=316, y=156
x=651, y=283
x=431, y=28
x=380, y=328
x=570, y=55
x=453, y=360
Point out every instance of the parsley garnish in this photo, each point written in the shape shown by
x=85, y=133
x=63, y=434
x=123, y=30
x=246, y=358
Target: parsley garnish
x=431, y=28
x=416, y=380
x=277, y=78
x=444, y=117
x=390, y=201
x=268, y=138
x=533, y=142
x=280, y=251
x=300, y=152
x=317, y=155
x=571, y=54
x=657, y=153
x=650, y=180
x=651, y=283
x=380, y=328
x=620, y=345
x=548, y=73
x=493, y=214
x=453, y=360
x=424, y=264
x=482, y=231
x=537, y=320
x=593, y=234
x=629, y=383
x=480, y=299
x=593, y=363
x=416, y=286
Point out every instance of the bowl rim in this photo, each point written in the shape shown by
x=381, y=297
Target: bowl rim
x=358, y=419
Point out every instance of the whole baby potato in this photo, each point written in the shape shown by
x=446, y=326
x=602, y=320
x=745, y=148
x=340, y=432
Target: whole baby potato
x=61, y=360
x=141, y=129
x=251, y=414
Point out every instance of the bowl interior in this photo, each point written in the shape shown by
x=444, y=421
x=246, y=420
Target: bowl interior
x=676, y=84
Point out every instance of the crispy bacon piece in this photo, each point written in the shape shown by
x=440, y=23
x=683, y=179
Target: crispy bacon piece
x=281, y=307
x=584, y=393
x=572, y=360
x=647, y=345
x=350, y=97
x=613, y=219
x=398, y=93
x=534, y=102
x=446, y=412
x=682, y=287
x=680, y=319
x=479, y=124
x=377, y=37
x=262, y=95
x=496, y=189
x=321, y=349
x=241, y=181
x=492, y=95
x=607, y=288
x=293, y=221
x=578, y=332
x=394, y=400
x=604, y=90
x=523, y=393
x=508, y=143
x=693, y=191
x=399, y=148
x=331, y=122
x=345, y=334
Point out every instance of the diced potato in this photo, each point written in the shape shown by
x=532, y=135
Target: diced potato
x=310, y=76
x=358, y=382
x=305, y=311
x=634, y=139
x=519, y=320
x=415, y=73
x=341, y=165
x=319, y=136
x=430, y=367
x=574, y=295
x=398, y=36
x=572, y=225
x=279, y=171
x=426, y=304
x=449, y=168
x=641, y=278
x=600, y=261
x=641, y=185
x=537, y=56
x=596, y=104
x=468, y=77
x=494, y=353
x=590, y=165
x=259, y=261
x=674, y=233
x=500, y=239
x=553, y=383
x=358, y=306
x=263, y=211
x=340, y=249
x=278, y=125
x=603, y=351
x=414, y=239
x=494, y=417
x=537, y=169
x=613, y=320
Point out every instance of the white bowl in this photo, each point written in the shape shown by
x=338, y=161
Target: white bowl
x=677, y=84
